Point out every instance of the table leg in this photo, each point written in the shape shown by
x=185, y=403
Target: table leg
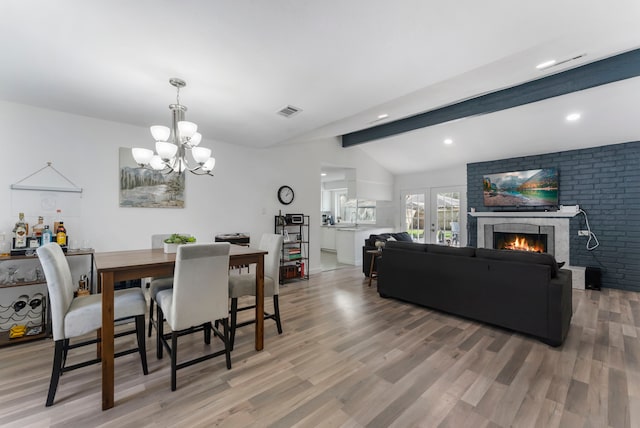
x=107, y=282
x=260, y=303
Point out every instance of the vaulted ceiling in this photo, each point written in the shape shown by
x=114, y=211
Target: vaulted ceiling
x=343, y=63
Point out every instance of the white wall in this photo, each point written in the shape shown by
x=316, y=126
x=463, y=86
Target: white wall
x=302, y=173
x=240, y=198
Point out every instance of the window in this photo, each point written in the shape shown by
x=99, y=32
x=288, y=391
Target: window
x=414, y=215
x=355, y=211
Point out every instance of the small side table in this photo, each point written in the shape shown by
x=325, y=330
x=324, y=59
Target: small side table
x=375, y=254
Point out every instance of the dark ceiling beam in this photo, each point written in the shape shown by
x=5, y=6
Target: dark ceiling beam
x=612, y=69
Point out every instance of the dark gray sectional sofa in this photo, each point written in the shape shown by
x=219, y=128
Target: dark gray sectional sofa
x=370, y=244
x=520, y=291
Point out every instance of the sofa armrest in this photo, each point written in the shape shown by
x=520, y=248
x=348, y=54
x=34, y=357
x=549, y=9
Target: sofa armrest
x=560, y=307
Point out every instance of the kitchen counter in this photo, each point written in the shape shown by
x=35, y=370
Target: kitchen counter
x=349, y=242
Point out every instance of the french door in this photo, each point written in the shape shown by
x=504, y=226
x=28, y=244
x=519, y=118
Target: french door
x=447, y=220
x=436, y=215
x=413, y=214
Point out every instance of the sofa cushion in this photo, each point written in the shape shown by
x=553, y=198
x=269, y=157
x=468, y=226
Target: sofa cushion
x=371, y=241
x=451, y=251
x=402, y=236
x=520, y=256
x=402, y=245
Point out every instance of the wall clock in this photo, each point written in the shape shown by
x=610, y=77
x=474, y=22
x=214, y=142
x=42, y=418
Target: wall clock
x=285, y=195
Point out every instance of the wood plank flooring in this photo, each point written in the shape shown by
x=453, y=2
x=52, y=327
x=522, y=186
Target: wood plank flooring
x=349, y=358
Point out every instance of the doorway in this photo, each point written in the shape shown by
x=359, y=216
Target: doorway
x=442, y=221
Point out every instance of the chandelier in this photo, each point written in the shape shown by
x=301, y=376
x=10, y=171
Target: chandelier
x=172, y=144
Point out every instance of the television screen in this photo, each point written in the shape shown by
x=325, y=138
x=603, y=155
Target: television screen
x=532, y=188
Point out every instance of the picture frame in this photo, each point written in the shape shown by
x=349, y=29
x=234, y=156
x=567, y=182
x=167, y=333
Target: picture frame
x=145, y=188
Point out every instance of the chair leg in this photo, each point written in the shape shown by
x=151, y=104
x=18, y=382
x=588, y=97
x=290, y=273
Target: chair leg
x=150, y=315
x=227, y=344
x=174, y=359
x=56, y=370
x=142, y=343
x=276, y=311
x=234, y=320
x=65, y=350
x=159, y=332
x=207, y=333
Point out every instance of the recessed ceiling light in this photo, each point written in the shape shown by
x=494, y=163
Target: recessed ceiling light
x=573, y=117
x=448, y=141
x=555, y=63
x=383, y=116
x=546, y=64
x=324, y=174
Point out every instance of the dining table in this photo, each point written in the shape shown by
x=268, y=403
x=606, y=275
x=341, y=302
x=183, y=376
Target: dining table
x=116, y=266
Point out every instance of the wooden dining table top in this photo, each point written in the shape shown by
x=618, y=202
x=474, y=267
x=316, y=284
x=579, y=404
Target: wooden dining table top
x=116, y=260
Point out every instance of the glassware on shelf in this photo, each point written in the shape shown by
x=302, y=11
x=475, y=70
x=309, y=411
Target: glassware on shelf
x=11, y=270
x=5, y=246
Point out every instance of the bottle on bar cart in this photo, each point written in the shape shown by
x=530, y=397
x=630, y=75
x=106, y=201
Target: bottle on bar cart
x=47, y=236
x=61, y=235
x=20, y=233
x=38, y=228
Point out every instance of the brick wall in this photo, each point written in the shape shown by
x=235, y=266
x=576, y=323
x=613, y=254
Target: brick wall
x=605, y=182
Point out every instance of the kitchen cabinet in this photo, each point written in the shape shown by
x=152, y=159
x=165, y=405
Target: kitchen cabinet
x=328, y=238
x=350, y=240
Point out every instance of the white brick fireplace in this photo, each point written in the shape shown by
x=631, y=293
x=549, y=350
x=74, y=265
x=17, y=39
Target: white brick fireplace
x=557, y=220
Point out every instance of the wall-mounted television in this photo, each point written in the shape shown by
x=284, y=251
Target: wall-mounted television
x=531, y=188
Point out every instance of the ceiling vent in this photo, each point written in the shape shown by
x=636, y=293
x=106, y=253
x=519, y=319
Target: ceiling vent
x=289, y=111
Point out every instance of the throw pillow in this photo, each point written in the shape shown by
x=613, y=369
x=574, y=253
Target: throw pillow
x=402, y=236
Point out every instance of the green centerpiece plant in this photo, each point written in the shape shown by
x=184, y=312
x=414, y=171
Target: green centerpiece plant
x=179, y=239
x=171, y=243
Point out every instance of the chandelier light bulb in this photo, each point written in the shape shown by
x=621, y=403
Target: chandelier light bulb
x=195, y=139
x=156, y=163
x=187, y=129
x=201, y=154
x=209, y=164
x=160, y=133
x=142, y=156
x=166, y=151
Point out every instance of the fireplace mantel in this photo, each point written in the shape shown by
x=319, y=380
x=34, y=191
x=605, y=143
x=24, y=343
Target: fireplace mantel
x=525, y=214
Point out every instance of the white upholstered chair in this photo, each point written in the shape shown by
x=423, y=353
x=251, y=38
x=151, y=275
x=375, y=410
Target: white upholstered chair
x=157, y=284
x=245, y=284
x=73, y=317
x=199, y=296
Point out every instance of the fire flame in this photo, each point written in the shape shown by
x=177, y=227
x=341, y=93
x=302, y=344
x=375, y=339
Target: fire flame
x=521, y=244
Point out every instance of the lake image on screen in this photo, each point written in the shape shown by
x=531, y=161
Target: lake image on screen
x=537, y=187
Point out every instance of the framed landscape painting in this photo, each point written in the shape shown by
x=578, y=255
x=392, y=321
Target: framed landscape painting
x=145, y=188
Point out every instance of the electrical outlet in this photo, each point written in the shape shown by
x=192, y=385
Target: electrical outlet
x=583, y=233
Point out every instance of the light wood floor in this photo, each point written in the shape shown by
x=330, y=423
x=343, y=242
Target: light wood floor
x=349, y=358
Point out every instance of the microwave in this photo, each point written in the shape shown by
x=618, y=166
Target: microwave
x=294, y=218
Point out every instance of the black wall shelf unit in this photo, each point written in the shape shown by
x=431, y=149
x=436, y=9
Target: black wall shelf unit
x=294, y=257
